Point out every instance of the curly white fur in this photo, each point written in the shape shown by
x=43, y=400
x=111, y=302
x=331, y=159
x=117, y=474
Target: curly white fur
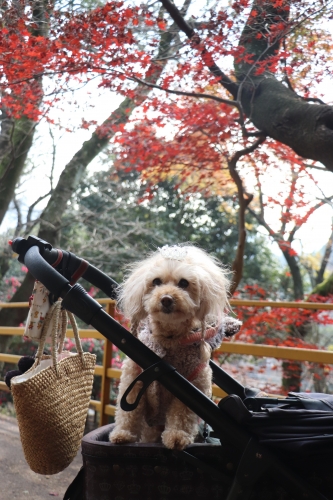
x=169, y=297
x=208, y=279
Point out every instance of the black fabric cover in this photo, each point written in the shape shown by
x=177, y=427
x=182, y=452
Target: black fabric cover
x=288, y=428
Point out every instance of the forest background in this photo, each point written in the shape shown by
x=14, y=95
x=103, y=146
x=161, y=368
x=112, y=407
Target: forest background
x=198, y=121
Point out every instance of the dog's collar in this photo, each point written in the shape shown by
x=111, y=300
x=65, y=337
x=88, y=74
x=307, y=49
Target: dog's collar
x=195, y=336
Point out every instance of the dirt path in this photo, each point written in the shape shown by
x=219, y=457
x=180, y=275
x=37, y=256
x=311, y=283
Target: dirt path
x=17, y=481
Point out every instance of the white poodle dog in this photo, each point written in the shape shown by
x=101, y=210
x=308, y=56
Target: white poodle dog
x=176, y=301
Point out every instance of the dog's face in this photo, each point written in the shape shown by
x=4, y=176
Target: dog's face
x=175, y=286
x=172, y=293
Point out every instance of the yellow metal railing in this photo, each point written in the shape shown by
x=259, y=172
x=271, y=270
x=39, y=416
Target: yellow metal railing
x=108, y=373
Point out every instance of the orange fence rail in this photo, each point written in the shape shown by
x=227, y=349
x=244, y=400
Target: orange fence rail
x=108, y=373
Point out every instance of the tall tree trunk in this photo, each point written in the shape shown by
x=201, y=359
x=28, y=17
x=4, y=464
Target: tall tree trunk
x=15, y=142
x=292, y=370
x=325, y=259
x=296, y=275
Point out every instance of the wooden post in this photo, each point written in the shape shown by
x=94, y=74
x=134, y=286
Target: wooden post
x=107, y=363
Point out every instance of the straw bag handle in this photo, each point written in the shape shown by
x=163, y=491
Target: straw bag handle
x=53, y=317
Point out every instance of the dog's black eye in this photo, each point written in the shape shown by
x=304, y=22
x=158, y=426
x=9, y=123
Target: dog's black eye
x=157, y=282
x=183, y=283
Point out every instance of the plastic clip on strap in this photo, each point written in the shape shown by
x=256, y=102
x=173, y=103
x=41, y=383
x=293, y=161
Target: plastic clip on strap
x=154, y=372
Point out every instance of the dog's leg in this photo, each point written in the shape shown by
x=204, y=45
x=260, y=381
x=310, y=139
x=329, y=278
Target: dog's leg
x=128, y=423
x=181, y=423
x=181, y=426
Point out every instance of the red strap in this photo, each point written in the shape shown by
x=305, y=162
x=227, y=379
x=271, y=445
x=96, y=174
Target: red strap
x=211, y=332
x=193, y=375
x=80, y=271
x=58, y=260
x=192, y=338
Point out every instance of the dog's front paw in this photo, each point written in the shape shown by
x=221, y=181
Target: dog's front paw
x=176, y=440
x=119, y=436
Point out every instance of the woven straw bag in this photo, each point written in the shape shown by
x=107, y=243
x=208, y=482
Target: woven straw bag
x=52, y=399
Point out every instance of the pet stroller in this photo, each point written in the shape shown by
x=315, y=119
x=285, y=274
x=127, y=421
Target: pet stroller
x=257, y=448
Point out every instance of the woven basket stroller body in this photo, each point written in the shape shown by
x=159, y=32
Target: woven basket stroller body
x=52, y=399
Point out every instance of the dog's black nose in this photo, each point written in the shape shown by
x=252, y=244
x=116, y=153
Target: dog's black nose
x=167, y=301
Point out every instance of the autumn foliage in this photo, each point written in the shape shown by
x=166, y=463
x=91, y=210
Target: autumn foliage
x=108, y=41
x=269, y=325
x=228, y=100
x=74, y=45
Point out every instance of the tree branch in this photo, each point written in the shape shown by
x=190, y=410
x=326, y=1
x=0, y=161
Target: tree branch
x=326, y=257
x=176, y=15
x=284, y=220
x=188, y=94
x=19, y=224
x=33, y=205
x=244, y=201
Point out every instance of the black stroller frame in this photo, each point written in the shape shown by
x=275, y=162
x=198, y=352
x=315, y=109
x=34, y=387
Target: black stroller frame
x=256, y=460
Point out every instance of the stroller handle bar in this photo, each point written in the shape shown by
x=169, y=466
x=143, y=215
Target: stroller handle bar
x=56, y=266
x=58, y=270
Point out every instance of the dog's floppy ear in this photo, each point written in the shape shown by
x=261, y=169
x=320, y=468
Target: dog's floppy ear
x=214, y=285
x=131, y=293
x=213, y=303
